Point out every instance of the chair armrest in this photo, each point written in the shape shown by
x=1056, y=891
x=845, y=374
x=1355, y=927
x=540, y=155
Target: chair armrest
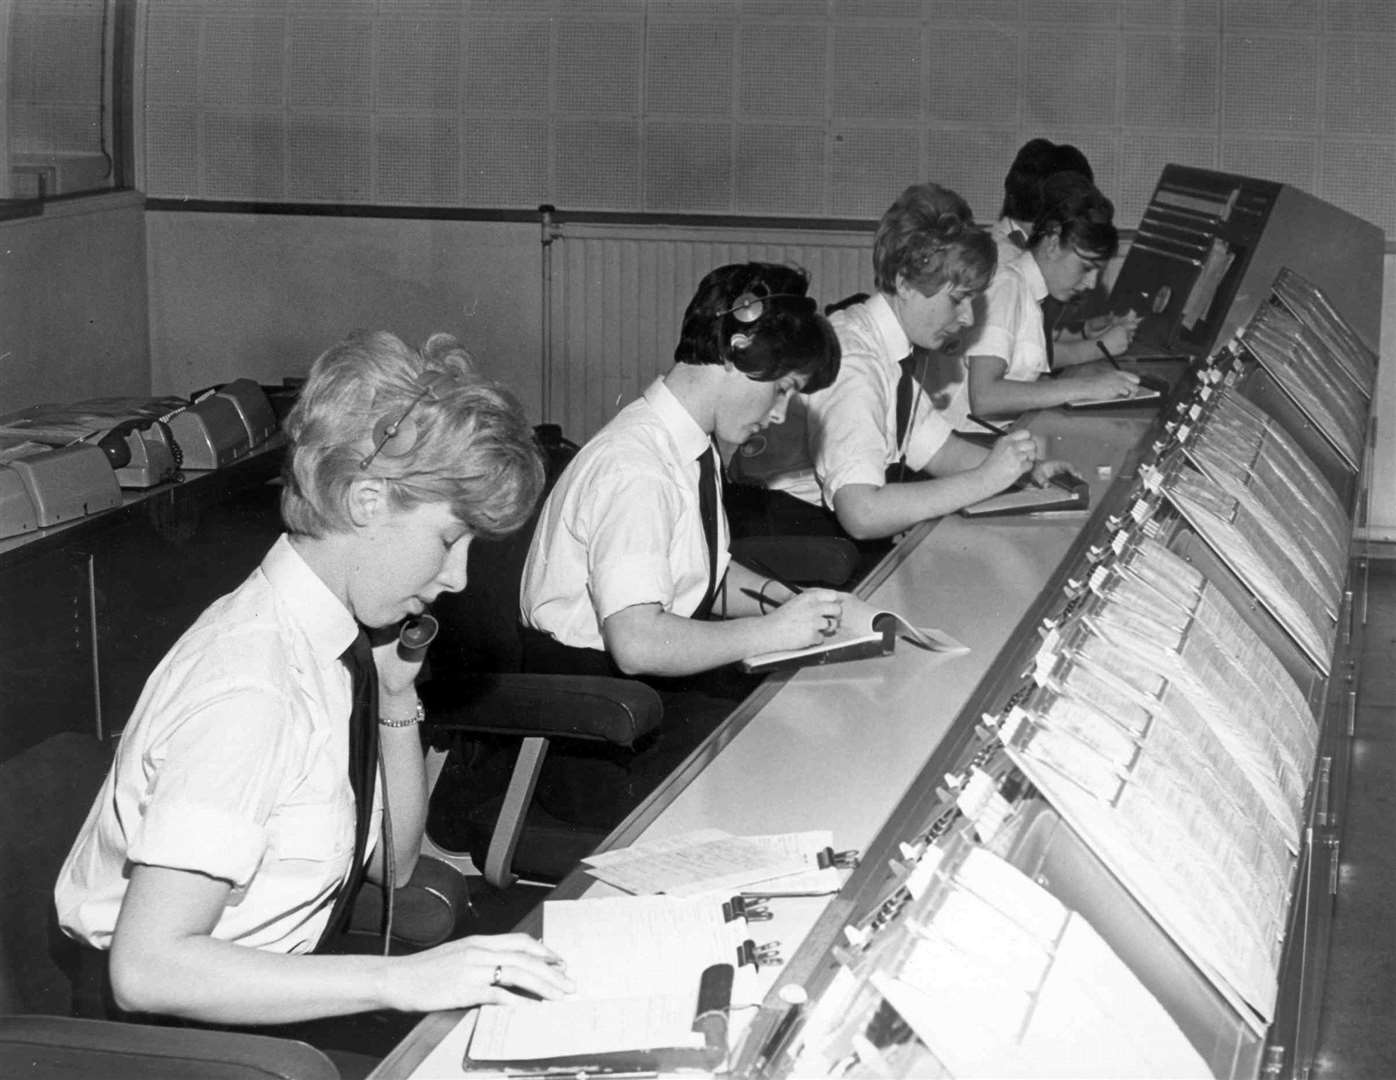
x=599, y=708
x=808, y=560
x=64, y=1046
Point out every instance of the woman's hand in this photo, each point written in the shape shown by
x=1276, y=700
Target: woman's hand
x=480, y=970
x=1118, y=334
x=805, y=620
x=1103, y=385
x=398, y=669
x=1043, y=471
x=1009, y=458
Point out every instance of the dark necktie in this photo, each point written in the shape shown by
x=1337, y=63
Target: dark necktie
x=906, y=396
x=708, y=500
x=363, y=767
x=1051, y=315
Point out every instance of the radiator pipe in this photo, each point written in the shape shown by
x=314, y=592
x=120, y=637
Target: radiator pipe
x=550, y=232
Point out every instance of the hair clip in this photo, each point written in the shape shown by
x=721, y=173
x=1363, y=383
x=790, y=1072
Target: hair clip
x=741, y=341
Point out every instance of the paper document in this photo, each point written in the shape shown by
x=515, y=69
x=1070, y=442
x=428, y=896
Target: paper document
x=711, y=861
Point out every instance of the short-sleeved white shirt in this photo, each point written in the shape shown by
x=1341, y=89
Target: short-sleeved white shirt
x=852, y=425
x=622, y=526
x=235, y=765
x=1012, y=329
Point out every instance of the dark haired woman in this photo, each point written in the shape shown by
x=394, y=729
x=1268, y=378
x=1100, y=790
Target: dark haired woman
x=1071, y=241
x=624, y=574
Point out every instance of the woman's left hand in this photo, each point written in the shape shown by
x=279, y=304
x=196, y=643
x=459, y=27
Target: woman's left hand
x=1043, y=471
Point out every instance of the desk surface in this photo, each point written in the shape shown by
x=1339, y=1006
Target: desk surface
x=836, y=747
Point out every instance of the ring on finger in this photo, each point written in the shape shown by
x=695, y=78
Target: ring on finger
x=497, y=978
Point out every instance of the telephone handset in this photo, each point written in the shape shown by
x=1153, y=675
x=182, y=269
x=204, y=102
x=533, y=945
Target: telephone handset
x=415, y=634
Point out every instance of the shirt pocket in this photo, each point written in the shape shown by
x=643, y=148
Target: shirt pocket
x=311, y=832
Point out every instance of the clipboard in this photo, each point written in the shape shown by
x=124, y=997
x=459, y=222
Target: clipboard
x=709, y=1020
x=633, y=1011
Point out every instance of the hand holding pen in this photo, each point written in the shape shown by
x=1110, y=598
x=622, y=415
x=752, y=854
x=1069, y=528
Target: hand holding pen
x=1041, y=472
x=804, y=618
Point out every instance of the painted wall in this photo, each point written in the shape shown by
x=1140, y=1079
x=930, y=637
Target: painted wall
x=262, y=295
x=73, y=315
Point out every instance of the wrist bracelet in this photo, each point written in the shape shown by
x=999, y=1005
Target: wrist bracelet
x=416, y=718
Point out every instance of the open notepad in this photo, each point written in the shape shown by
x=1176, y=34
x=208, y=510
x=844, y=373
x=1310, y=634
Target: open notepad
x=655, y=976
x=1065, y=493
x=1146, y=391
x=864, y=630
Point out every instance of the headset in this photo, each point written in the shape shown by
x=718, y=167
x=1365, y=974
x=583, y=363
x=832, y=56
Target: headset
x=747, y=311
x=393, y=436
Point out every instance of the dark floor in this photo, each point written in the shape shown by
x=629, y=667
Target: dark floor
x=1357, y=1026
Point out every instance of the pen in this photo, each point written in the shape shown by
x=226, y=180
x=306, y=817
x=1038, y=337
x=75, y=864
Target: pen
x=1107, y=354
x=988, y=426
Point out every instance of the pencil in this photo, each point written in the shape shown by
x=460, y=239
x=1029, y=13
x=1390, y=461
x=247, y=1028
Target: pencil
x=987, y=426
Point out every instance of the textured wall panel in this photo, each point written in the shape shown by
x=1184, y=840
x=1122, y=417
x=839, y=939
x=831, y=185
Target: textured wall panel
x=688, y=167
x=877, y=72
x=1238, y=15
x=416, y=161
x=51, y=128
x=505, y=163
x=244, y=63
x=689, y=69
x=1143, y=158
x=833, y=105
x=1082, y=15
x=417, y=65
x=1360, y=94
x=1182, y=16
x=859, y=10
x=691, y=9
x=1346, y=176
x=971, y=163
x=596, y=163
x=1361, y=16
x=869, y=168
x=986, y=13
x=780, y=170
x=781, y=71
x=1070, y=78
x=60, y=58
x=1169, y=81
x=331, y=64
x=171, y=158
x=244, y=155
x=172, y=58
x=973, y=76
x=329, y=157
x=586, y=48
x=506, y=66
x=1269, y=84
x=1288, y=161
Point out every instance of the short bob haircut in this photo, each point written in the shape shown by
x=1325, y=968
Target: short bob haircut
x=1036, y=160
x=758, y=317
x=459, y=439
x=928, y=238
x=1074, y=211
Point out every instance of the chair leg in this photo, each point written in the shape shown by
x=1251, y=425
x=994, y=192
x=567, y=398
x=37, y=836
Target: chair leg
x=514, y=812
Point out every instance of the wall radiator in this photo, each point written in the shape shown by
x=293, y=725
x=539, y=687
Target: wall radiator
x=614, y=297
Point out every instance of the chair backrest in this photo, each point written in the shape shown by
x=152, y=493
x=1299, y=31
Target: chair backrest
x=64, y=1048
x=479, y=626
